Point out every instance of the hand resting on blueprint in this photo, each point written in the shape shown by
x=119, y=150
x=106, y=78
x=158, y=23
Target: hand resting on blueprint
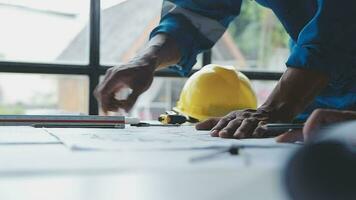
x=238, y=124
x=317, y=119
x=280, y=107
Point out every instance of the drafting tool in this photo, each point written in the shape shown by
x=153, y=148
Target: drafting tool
x=72, y=125
x=171, y=117
x=143, y=124
x=32, y=120
x=233, y=150
x=279, y=128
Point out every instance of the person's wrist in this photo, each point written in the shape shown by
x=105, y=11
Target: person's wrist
x=263, y=114
x=277, y=113
x=148, y=59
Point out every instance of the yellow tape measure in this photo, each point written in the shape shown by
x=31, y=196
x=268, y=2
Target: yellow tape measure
x=171, y=117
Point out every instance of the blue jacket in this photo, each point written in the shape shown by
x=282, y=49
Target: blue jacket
x=322, y=31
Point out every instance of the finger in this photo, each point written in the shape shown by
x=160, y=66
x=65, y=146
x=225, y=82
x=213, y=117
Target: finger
x=115, y=80
x=261, y=131
x=230, y=128
x=290, y=137
x=131, y=100
x=313, y=122
x=207, y=124
x=98, y=91
x=105, y=94
x=246, y=128
x=108, y=99
x=111, y=104
x=221, y=124
x=103, y=83
x=125, y=104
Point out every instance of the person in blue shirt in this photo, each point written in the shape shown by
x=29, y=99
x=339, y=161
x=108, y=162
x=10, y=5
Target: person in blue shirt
x=320, y=73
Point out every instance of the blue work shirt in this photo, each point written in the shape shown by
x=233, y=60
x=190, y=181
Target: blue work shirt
x=323, y=34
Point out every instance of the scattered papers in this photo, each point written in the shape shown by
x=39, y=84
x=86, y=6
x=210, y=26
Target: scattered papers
x=25, y=135
x=150, y=138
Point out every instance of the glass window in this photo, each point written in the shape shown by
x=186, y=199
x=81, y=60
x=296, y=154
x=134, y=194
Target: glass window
x=263, y=89
x=125, y=27
x=162, y=96
x=51, y=31
x=43, y=94
x=255, y=40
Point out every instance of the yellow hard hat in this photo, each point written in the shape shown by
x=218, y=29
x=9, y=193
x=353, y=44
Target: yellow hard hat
x=214, y=91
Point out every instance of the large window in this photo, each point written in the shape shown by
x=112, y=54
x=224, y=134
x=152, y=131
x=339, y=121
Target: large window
x=125, y=27
x=41, y=31
x=43, y=94
x=53, y=53
x=255, y=41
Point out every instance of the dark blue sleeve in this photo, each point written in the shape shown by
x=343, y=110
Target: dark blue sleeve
x=196, y=25
x=327, y=43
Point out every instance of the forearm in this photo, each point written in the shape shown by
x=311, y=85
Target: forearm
x=295, y=90
x=162, y=49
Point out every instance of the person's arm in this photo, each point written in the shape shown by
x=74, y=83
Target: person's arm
x=318, y=119
x=136, y=74
x=295, y=90
x=186, y=29
x=323, y=55
x=162, y=50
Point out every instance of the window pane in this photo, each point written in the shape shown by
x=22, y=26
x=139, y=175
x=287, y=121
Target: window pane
x=43, y=94
x=162, y=96
x=125, y=27
x=51, y=31
x=255, y=40
x=263, y=89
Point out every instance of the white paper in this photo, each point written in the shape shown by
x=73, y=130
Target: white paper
x=25, y=135
x=149, y=138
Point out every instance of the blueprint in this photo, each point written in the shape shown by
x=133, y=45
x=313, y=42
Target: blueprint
x=150, y=138
x=25, y=135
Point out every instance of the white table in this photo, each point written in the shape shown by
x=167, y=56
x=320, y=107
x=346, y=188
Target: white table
x=52, y=171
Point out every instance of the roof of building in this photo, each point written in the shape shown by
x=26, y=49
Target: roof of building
x=125, y=30
x=122, y=25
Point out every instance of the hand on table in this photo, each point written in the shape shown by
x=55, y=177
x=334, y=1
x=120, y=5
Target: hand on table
x=136, y=75
x=317, y=119
x=238, y=124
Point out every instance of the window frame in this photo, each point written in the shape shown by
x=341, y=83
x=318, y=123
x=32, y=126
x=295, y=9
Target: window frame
x=94, y=69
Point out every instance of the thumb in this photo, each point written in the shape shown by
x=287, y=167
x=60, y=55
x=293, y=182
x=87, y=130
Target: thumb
x=290, y=137
x=207, y=124
x=130, y=101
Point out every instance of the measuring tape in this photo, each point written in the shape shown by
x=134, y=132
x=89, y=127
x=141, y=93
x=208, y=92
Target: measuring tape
x=171, y=117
